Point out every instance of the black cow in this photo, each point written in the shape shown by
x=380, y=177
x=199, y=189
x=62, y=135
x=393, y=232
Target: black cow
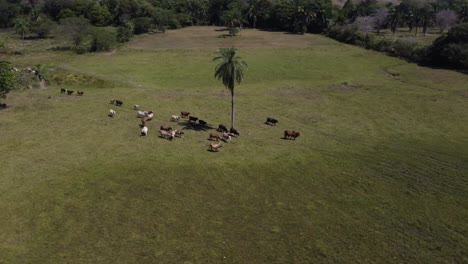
x=202, y=122
x=234, y=132
x=271, y=121
x=222, y=128
x=193, y=118
x=118, y=103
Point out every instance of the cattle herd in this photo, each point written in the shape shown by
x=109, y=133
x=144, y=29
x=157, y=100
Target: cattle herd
x=168, y=133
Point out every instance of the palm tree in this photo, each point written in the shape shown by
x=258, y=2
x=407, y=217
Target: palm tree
x=22, y=27
x=230, y=70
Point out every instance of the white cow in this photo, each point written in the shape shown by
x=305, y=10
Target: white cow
x=144, y=131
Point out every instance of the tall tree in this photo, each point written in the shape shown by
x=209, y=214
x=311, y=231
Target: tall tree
x=22, y=27
x=230, y=71
x=258, y=9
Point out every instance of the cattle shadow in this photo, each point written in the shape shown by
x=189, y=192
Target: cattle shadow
x=187, y=125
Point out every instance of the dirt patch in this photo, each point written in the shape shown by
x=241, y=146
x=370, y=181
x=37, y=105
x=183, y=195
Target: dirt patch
x=201, y=38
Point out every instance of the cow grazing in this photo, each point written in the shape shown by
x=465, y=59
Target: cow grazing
x=234, y=132
x=118, y=103
x=288, y=134
x=112, y=101
x=215, y=147
x=222, y=128
x=166, y=128
x=214, y=136
x=111, y=113
x=136, y=107
x=226, y=137
x=63, y=90
x=179, y=133
x=141, y=114
x=271, y=121
x=80, y=93
x=150, y=115
x=202, y=123
x=193, y=119
x=144, y=120
x=175, y=118
x=184, y=114
x=144, y=131
x=69, y=92
x=167, y=135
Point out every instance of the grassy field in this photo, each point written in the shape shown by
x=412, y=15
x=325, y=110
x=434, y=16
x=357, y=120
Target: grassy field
x=378, y=175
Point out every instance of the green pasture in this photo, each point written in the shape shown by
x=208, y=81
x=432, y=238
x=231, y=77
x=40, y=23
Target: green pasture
x=378, y=175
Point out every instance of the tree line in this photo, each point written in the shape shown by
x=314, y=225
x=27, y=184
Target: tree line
x=95, y=25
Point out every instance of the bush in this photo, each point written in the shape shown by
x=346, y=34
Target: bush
x=406, y=49
x=451, y=50
x=142, y=25
x=102, y=39
x=43, y=28
x=7, y=78
x=125, y=32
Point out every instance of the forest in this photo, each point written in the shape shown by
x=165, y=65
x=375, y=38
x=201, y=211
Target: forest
x=100, y=25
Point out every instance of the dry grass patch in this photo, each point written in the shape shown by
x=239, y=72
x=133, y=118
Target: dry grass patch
x=200, y=38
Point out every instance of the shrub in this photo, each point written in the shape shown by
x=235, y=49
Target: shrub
x=43, y=28
x=406, y=49
x=7, y=78
x=102, y=39
x=451, y=50
x=142, y=25
x=125, y=32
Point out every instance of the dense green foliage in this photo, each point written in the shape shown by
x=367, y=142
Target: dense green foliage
x=399, y=48
x=7, y=78
x=452, y=49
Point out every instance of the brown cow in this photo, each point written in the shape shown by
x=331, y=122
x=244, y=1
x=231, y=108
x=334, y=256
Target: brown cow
x=214, y=136
x=184, y=114
x=166, y=128
x=288, y=134
x=144, y=120
x=215, y=147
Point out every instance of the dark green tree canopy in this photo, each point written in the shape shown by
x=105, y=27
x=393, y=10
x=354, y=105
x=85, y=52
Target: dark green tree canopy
x=231, y=68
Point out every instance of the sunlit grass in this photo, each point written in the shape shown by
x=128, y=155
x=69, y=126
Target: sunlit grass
x=377, y=175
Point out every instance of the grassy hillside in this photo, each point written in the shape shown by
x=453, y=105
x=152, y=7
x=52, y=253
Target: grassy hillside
x=378, y=174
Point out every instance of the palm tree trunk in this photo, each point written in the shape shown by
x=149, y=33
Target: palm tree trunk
x=232, y=108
